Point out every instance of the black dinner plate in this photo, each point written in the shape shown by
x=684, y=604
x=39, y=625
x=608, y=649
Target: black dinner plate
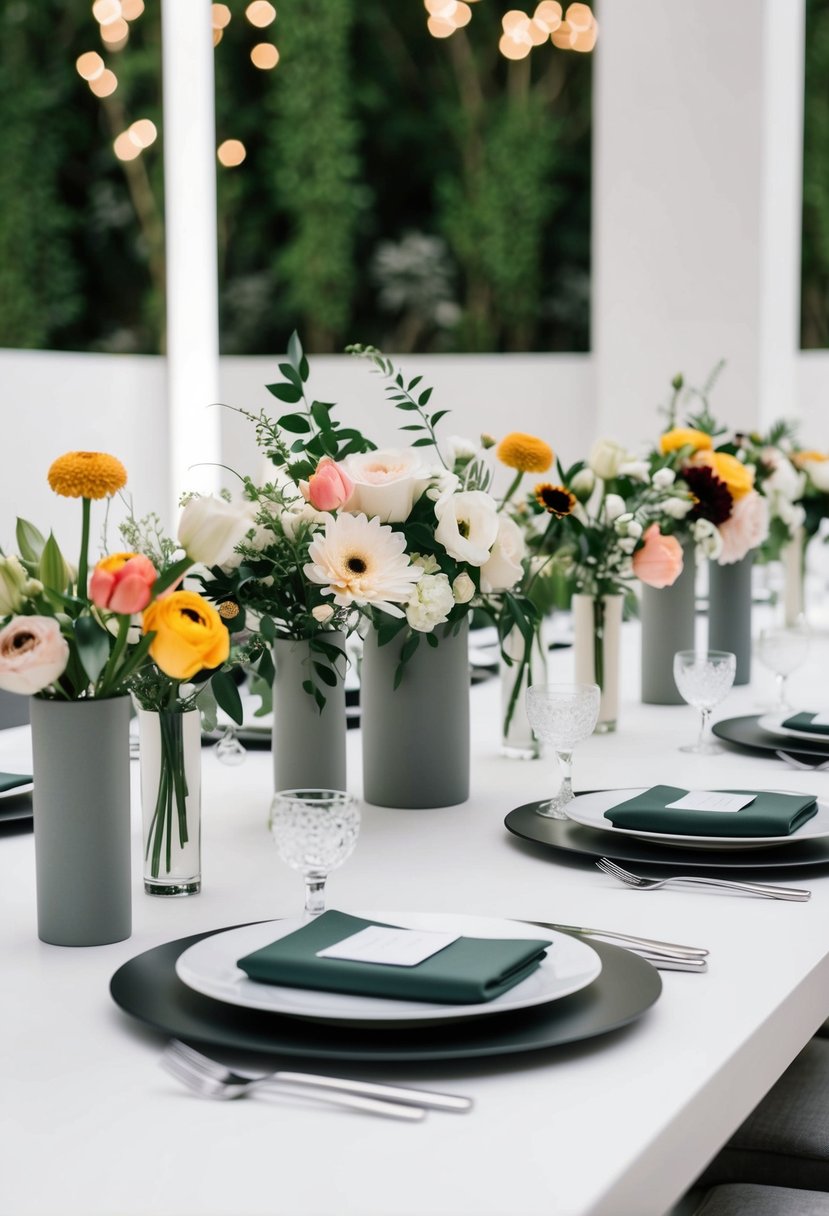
x=16, y=808
x=569, y=837
x=745, y=733
x=148, y=988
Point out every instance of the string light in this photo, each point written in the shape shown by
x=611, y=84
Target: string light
x=516, y=41
x=220, y=16
x=131, y=10
x=125, y=148
x=90, y=65
x=446, y=16
x=217, y=36
x=105, y=84
x=264, y=56
x=231, y=153
x=114, y=35
x=260, y=13
x=143, y=133
x=548, y=15
x=106, y=11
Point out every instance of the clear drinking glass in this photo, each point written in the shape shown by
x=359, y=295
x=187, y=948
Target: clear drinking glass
x=783, y=650
x=562, y=715
x=703, y=678
x=315, y=831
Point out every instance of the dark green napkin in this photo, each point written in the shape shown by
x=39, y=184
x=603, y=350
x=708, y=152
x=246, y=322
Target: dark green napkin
x=10, y=781
x=469, y=971
x=805, y=722
x=770, y=814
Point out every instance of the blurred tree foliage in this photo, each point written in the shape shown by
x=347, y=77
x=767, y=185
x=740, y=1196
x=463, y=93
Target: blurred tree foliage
x=415, y=193
x=814, y=314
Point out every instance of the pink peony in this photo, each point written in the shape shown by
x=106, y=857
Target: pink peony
x=659, y=562
x=123, y=583
x=33, y=653
x=745, y=529
x=328, y=487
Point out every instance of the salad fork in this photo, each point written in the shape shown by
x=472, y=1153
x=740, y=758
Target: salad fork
x=795, y=894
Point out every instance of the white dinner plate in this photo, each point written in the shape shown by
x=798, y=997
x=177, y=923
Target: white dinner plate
x=17, y=791
x=773, y=723
x=589, y=810
x=209, y=967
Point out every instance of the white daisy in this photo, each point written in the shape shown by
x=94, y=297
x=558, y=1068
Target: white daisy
x=361, y=561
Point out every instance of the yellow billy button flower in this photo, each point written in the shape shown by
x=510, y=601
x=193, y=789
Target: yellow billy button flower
x=684, y=437
x=189, y=634
x=87, y=475
x=525, y=453
x=557, y=500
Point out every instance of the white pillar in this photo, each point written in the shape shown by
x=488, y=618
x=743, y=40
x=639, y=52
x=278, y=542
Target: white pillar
x=697, y=196
x=190, y=220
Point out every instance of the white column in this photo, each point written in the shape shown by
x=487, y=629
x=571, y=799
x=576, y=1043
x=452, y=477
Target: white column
x=190, y=218
x=697, y=195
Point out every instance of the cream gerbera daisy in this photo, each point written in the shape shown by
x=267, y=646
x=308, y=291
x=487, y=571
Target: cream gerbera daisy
x=361, y=561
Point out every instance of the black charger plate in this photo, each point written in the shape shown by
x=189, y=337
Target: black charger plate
x=148, y=988
x=570, y=837
x=745, y=733
x=16, y=808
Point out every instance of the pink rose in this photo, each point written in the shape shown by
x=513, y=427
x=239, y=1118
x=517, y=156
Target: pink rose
x=328, y=487
x=33, y=653
x=745, y=529
x=123, y=583
x=659, y=562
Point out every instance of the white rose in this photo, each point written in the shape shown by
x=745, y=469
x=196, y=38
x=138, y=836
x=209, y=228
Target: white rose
x=210, y=528
x=387, y=484
x=605, y=457
x=431, y=603
x=614, y=506
x=467, y=525
x=582, y=484
x=677, y=508
x=504, y=569
x=663, y=478
x=818, y=473
x=463, y=588
x=322, y=613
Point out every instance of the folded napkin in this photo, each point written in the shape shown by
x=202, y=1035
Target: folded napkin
x=770, y=814
x=806, y=722
x=10, y=781
x=469, y=971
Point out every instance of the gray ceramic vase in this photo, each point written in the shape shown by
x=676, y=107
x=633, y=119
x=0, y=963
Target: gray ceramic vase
x=416, y=736
x=729, y=612
x=82, y=820
x=308, y=744
x=668, y=620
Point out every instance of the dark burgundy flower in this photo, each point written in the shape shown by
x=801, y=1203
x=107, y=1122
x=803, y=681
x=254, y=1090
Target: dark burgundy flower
x=714, y=501
x=556, y=499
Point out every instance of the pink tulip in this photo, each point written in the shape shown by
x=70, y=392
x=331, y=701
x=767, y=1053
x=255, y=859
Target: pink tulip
x=328, y=487
x=659, y=561
x=123, y=583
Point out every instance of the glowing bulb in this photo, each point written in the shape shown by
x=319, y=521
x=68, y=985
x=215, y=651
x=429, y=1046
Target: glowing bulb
x=217, y=36
x=548, y=15
x=579, y=18
x=231, y=153
x=264, y=56
x=438, y=27
x=220, y=16
x=125, y=148
x=536, y=33
x=143, y=133
x=511, y=49
x=105, y=84
x=131, y=10
x=445, y=9
x=563, y=37
x=106, y=11
x=586, y=40
x=514, y=20
x=90, y=65
x=463, y=15
x=260, y=13
x=115, y=34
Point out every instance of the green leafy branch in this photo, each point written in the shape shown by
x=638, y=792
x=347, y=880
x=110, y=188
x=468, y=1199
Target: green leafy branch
x=402, y=394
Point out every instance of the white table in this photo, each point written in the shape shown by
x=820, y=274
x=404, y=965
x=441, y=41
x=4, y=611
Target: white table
x=619, y=1126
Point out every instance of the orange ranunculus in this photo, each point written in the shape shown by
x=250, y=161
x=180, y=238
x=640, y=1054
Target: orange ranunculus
x=684, y=437
x=737, y=476
x=659, y=562
x=189, y=634
x=123, y=582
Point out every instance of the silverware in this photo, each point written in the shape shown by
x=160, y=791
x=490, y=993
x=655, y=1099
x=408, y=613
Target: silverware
x=794, y=762
x=672, y=962
x=648, y=944
x=214, y=1080
x=748, y=888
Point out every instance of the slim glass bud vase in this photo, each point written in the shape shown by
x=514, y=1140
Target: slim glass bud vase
x=518, y=741
x=170, y=758
x=597, y=624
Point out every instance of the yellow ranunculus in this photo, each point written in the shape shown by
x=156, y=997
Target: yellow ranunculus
x=189, y=634
x=737, y=476
x=684, y=437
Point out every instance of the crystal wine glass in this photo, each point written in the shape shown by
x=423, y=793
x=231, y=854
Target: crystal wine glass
x=783, y=650
x=562, y=715
x=703, y=678
x=315, y=832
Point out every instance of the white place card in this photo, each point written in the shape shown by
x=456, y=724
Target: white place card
x=393, y=946
x=710, y=800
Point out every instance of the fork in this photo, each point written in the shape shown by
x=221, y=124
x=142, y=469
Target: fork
x=215, y=1080
x=748, y=888
x=793, y=762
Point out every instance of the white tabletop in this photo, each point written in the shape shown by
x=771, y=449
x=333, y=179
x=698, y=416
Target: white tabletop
x=620, y=1125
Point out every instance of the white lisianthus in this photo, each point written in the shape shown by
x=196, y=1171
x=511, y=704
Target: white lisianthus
x=677, y=508
x=614, y=507
x=582, y=483
x=707, y=539
x=637, y=470
x=467, y=525
x=15, y=585
x=605, y=458
x=387, y=483
x=504, y=568
x=663, y=478
x=634, y=529
x=441, y=483
x=302, y=513
x=620, y=526
x=431, y=603
x=462, y=588
x=426, y=561
x=627, y=544
x=360, y=561
x=322, y=613
x=210, y=528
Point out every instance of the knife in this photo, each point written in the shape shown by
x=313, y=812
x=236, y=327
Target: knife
x=645, y=945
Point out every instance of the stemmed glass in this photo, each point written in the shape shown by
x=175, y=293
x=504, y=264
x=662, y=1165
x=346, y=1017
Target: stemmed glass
x=703, y=678
x=315, y=831
x=783, y=650
x=562, y=715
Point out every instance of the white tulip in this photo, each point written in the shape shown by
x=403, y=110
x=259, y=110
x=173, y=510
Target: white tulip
x=504, y=568
x=467, y=525
x=605, y=457
x=210, y=528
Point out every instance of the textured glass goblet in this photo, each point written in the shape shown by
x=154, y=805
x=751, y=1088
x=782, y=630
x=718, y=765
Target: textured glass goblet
x=562, y=715
x=703, y=678
x=315, y=831
x=783, y=651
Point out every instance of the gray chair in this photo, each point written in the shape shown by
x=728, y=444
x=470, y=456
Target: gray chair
x=749, y=1199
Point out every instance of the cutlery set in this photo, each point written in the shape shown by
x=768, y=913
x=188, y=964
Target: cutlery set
x=765, y=890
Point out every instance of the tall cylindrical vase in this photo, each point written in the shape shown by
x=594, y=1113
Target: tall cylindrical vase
x=668, y=622
x=170, y=760
x=309, y=741
x=82, y=820
x=517, y=739
x=729, y=612
x=597, y=626
x=416, y=736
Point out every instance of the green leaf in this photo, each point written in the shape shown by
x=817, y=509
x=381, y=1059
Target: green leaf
x=414, y=383
x=436, y=417
x=326, y=674
x=432, y=640
x=407, y=405
x=267, y=629
x=426, y=442
x=52, y=567
x=319, y=412
x=412, y=426
x=292, y=375
x=295, y=352
x=93, y=645
x=329, y=444
x=227, y=695
x=409, y=647
x=285, y=392
x=265, y=667
x=297, y=424
x=423, y=399
x=30, y=541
